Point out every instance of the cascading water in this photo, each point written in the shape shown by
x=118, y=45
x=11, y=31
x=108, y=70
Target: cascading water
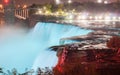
x=21, y=51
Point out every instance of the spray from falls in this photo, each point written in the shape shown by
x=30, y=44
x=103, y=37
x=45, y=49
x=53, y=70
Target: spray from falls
x=31, y=50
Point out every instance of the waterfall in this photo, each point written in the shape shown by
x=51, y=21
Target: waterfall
x=31, y=50
x=50, y=35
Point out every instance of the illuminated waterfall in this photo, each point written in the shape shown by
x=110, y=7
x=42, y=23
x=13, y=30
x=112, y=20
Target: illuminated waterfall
x=30, y=50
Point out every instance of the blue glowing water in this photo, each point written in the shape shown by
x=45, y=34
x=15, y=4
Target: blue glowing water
x=30, y=50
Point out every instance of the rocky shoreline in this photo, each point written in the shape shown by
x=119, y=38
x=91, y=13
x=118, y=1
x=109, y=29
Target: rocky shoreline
x=90, y=55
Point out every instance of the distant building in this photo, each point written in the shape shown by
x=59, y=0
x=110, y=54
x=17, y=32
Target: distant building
x=9, y=11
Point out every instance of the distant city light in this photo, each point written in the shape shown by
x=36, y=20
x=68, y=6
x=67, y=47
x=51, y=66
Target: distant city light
x=107, y=17
x=99, y=1
x=18, y=6
x=113, y=23
x=71, y=16
x=39, y=11
x=57, y=1
x=119, y=18
x=96, y=17
x=83, y=17
x=47, y=12
x=6, y=1
x=24, y=6
x=69, y=1
x=105, y=2
x=79, y=17
x=100, y=17
x=1, y=6
x=114, y=18
x=90, y=17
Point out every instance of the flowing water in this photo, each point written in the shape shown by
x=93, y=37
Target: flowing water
x=21, y=50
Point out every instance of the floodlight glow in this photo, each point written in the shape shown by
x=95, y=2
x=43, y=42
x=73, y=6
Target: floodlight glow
x=69, y=1
x=39, y=11
x=119, y=18
x=96, y=17
x=57, y=1
x=114, y=18
x=70, y=16
x=100, y=17
x=83, y=17
x=1, y=6
x=25, y=6
x=107, y=17
x=6, y=1
x=90, y=17
x=99, y=1
x=57, y=13
x=113, y=23
x=79, y=17
x=105, y=2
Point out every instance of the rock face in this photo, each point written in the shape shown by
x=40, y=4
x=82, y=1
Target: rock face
x=87, y=62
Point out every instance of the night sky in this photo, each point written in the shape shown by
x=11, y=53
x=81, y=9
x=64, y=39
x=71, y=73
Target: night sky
x=29, y=2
